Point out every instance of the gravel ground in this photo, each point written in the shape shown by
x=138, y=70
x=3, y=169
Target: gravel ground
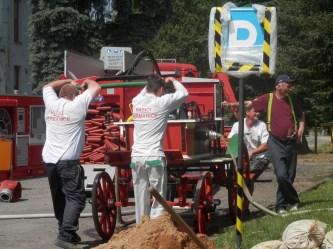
x=40, y=233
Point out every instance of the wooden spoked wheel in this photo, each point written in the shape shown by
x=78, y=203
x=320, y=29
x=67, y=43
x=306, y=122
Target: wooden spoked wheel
x=203, y=200
x=104, y=210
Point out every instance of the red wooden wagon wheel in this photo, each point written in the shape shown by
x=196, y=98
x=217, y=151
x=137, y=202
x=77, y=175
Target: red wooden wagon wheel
x=203, y=198
x=104, y=210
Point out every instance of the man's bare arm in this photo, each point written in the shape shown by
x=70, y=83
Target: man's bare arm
x=301, y=127
x=92, y=86
x=247, y=103
x=57, y=84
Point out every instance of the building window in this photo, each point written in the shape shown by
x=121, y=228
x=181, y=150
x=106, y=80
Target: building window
x=17, y=77
x=37, y=125
x=16, y=21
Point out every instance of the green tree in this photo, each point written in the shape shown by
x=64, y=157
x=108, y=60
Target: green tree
x=57, y=25
x=52, y=31
x=305, y=50
x=136, y=24
x=184, y=35
x=179, y=29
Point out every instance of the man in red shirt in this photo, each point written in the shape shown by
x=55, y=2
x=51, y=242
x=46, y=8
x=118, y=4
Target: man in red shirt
x=285, y=124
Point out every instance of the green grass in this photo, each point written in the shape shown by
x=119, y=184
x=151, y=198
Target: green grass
x=325, y=148
x=271, y=228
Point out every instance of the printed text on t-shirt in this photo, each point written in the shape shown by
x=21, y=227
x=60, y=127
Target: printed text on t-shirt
x=56, y=116
x=143, y=113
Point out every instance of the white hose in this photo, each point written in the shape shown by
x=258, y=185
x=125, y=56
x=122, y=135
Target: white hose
x=249, y=196
x=307, y=211
x=36, y=216
x=270, y=212
x=46, y=215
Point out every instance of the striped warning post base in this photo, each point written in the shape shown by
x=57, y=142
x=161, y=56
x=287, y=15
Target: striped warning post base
x=239, y=211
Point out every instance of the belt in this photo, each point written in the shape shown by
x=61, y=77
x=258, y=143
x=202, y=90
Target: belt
x=68, y=161
x=284, y=140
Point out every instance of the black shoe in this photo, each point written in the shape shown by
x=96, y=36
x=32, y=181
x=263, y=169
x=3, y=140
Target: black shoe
x=76, y=238
x=66, y=245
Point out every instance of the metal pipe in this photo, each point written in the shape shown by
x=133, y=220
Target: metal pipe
x=122, y=77
x=212, y=135
x=133, y=77
x=124, y=84
x=240, y=194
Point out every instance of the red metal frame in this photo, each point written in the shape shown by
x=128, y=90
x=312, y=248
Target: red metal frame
x=179, y=145
x=182, y=68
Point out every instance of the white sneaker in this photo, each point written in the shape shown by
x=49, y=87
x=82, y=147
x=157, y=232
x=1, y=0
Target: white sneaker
x=282, y=211
x=294, y=207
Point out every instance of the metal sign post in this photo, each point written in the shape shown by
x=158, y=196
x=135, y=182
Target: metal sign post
x=242, y=42
x=240, y=179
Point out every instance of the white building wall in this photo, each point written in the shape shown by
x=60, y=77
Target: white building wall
x=14, y=53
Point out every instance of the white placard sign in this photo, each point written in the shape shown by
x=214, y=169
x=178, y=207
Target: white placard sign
x=113, y=57
x=242, y=40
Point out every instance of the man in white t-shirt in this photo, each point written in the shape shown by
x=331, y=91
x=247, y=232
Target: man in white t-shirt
x=255, y=140
x=64, y=117
x=151, y=108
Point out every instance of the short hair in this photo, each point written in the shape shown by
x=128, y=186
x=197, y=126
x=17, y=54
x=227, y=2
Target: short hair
x=68, y=90
x=248, y=108
x=154, y=83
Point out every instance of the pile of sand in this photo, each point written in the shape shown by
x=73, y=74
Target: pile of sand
x=160, y=233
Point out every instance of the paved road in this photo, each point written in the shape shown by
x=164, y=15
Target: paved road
x=37, y=233
x=40, y=233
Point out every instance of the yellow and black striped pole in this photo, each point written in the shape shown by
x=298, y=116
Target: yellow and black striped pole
x=239, y=211
x=217, y=39
x=240, y=180
x=267, y=40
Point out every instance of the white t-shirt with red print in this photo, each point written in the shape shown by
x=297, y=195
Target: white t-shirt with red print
x=150, y=115
x=64, y=125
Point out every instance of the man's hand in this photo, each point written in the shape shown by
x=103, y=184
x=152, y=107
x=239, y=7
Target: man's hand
x=84, y=86
x=251, y=153
x=300, y=133
x=248, y=103
x=224, y=142
x=74, y=83
x=57, y=84
x=169, y=80
x=92, y=86
x=236, y=104
x=169, y=86
x=300, y=130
